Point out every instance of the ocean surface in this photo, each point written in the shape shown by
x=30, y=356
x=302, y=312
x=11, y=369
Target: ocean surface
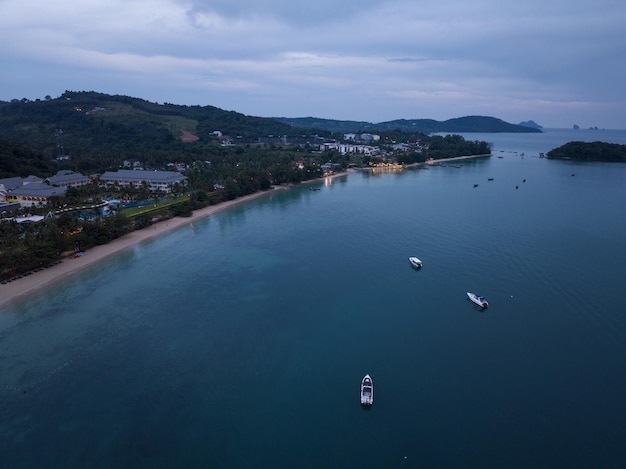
x=239, y=341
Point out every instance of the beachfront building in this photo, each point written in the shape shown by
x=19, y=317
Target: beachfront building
x=347, y=148
x=66, y=178
x=34, y=194
x=30, y=179
x=156, y=181
x=366, y=138
x=24, y=192
x=9, y=184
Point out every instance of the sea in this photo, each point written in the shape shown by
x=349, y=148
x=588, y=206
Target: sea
x=240, y=340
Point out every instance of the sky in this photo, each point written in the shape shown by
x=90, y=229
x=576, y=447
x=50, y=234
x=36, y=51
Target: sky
x=557, y=62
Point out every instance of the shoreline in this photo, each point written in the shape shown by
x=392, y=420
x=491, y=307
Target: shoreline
x=454, y=158
x=21, y=288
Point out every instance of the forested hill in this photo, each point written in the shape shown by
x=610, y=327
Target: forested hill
x=83, y=121
x=589, y=151
x=18, y=160
x=457, y=125
x=96, y=128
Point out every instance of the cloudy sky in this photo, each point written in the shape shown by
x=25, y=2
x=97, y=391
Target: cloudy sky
x=558, y=62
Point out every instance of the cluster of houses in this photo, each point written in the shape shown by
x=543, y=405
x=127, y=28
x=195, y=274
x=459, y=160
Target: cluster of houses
x=362, y=138
x=346, y=148
x=32, y=191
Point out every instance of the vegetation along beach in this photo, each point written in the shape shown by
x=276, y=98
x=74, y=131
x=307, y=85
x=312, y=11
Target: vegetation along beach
x=68, y=189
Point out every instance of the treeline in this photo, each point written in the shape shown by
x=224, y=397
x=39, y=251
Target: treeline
x=452, y=146
x=245, y=168
x=589, y=151
x=26, y=247
x=19, y=160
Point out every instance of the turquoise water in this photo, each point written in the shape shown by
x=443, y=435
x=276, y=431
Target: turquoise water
x=240, y=340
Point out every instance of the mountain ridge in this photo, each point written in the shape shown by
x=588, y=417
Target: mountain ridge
x=468, y=124
x=88, y=130
x=171, y=121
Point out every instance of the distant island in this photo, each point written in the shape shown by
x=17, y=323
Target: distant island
x=531, y=124
x=577, y=127
x=589, y=151
x=466, y=124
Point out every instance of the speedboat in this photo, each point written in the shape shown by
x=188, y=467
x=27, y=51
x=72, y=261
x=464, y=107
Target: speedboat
x=477, y=299
x=367, y=390
x=415, y=262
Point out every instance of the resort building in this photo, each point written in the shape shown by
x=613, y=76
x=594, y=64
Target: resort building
x=345, y=149
x=34, y=194
x=31, y=178
x=8, y=184
x=27, y=191
x=68, y=179
x=156, y=181
x=362, y=137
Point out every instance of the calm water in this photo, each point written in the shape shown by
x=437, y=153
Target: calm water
x=240, y=341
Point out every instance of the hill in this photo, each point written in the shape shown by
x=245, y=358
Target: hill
x=100, y=114
x=92, y=125
x=589, y=151
x=82, y=122
x=457, y=125
x=530, y=123
x=19, y=160
x=92, y=132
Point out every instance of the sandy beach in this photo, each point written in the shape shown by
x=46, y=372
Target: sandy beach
x=454, y=158
x=20, y=288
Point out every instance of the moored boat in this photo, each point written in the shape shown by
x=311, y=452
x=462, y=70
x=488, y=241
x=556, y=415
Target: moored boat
x=415, y=262
x=478, y=300
x=367, y=390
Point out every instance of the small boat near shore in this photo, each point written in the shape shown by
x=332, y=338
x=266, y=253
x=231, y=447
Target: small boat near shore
x=367, y=390
x=478, y=300
x=415, y=262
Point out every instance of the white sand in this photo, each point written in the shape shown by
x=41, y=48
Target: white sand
x=22, y=287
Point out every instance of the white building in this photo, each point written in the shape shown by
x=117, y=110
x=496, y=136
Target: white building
x=349, y=148
x=157, y=181
x=362, y=137
x=34, y=194
x=68, y=179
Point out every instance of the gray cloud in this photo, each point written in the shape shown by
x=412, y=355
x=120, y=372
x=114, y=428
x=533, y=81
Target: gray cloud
x=558, y=62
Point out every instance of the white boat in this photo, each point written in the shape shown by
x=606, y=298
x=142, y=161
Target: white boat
x=415, y=262
x=477, y=299
x=367, y=390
